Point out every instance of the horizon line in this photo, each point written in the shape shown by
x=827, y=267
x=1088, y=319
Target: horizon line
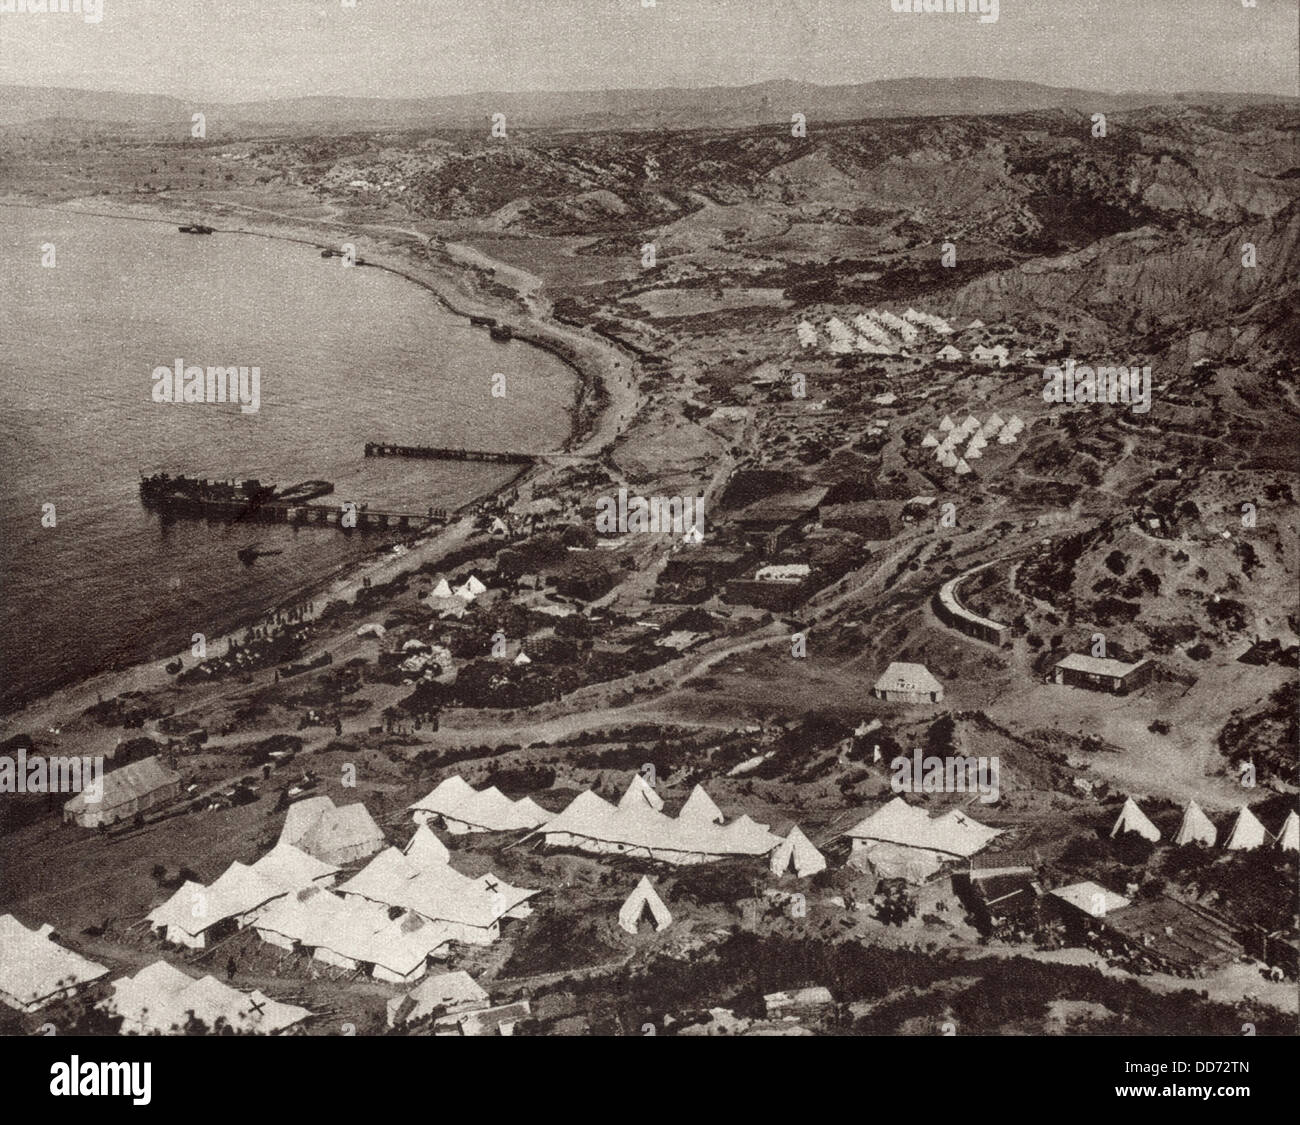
x=382, y=100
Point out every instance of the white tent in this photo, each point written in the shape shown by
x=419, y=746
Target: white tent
x=466, y=592
x=929, y=441
x=160, y=999
x=1288, y=839
x=292, y=869
x=470, y=909
x=1133, y=819
x=442, y=590
x=972, y=452
x=640, y=793
x=842, y=337
x=796, y=851
x=962, y=467
x=946, y=424
x=425, y=849
x=700, y=808
x=644, y=898
x=1196, y=827
x=593, y=824
x=1247, y=832
x=335, y=834
x=523, y=658
x=443, y=994
x=464, y=809
x=903, y=841
x=35, y=971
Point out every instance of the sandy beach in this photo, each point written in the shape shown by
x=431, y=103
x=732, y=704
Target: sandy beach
x=605, y=404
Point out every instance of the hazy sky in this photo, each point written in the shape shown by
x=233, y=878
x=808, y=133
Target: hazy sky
x=232, y=50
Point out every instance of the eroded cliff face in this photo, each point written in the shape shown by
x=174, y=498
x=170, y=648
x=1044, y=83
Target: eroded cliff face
x=1151, y=279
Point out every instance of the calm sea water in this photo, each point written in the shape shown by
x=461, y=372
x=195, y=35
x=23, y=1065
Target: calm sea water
x=346, y=356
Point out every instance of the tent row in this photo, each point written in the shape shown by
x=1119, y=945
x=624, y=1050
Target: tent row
x=353, y=934
x=464, y=809
x=903, y=841
x=635, y=827
x=468, y=909
x=1247, y=831
x=161, y=1000
x=973, y=436
x=874, y=332
x=195, y=916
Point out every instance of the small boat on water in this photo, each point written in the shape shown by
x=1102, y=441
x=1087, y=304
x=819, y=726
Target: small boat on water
x=307, y=490
x=197, y=228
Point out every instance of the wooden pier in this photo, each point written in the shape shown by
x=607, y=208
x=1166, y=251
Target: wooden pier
x=436, y=453
x=304, y=515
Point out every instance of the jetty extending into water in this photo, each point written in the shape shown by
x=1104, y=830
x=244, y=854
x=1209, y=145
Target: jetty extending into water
x=235, y=501
x=438, y=453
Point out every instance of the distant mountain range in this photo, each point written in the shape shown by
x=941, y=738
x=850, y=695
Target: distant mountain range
x=767, y=103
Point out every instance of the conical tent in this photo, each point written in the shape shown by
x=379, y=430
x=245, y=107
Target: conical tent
x=1133, y=819
x=1196, y=827
x=796, y=851
x=700, y=808
x=442, y=590
x=929, y=441
x=946, y=424
x=640, y=793
x=962, y=467
x=644, y=898
x=1247, y=832
x=1288, y=839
